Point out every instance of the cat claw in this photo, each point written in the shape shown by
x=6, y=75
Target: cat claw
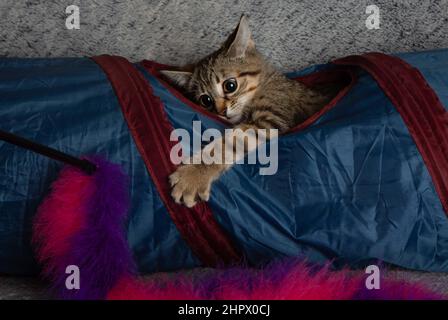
x=189, y=184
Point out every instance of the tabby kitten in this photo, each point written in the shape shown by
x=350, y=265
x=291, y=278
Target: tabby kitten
x=238, y=84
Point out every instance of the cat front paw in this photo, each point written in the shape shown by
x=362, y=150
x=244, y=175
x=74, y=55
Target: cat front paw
x=191, y=183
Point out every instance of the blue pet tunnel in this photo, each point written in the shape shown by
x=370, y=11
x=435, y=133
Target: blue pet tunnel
x=364, y=180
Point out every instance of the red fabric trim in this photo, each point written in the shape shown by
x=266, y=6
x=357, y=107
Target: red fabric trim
x=420, y=108
x=310, y=80
x=153, y=69
x=321, y=77
x=147, y=121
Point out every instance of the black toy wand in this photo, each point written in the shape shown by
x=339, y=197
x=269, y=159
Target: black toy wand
x=83, y=164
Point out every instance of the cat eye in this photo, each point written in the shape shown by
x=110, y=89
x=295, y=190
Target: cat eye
x=206, y=101
x=230, y=85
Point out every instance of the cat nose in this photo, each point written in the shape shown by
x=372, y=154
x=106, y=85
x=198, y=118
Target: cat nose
x=223, y=112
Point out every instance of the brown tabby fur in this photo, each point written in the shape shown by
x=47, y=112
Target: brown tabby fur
x=264, y=99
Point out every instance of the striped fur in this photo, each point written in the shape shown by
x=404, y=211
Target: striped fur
x=264, y=99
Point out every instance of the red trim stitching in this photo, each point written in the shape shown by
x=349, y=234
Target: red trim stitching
x=150, y=128
x=319, y=77
x=420, y=108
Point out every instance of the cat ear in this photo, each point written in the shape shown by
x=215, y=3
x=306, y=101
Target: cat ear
x=181, y=78
x=240, y=41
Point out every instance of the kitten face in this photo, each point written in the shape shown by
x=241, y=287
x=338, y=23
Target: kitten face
x=226, y=85
x=225, y=82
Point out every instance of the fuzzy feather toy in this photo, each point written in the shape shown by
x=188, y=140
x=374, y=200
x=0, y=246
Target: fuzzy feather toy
x=81, y=223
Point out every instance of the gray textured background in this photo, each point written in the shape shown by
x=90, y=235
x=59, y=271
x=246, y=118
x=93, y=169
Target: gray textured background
x=292, y=33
